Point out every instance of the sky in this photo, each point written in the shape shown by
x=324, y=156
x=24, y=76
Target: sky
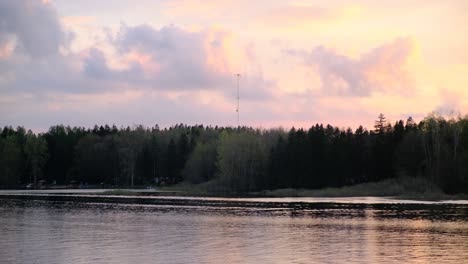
x=81, y=63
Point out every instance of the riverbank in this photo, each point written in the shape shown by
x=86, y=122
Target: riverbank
x=399, y=188
x=296, y=203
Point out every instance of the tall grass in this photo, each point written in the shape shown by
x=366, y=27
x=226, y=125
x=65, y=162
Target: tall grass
x=398, y=187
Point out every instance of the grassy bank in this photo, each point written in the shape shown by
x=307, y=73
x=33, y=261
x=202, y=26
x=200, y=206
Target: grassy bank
x=121, y=192
x=403, y=188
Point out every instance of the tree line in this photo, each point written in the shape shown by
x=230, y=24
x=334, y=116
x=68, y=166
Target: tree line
x=239, y=159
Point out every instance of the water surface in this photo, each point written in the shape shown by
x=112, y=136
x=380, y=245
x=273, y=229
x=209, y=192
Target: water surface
x=232, y=231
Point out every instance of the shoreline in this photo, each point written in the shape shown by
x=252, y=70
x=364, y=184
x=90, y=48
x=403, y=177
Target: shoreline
x=176, y=199
x=397, y=189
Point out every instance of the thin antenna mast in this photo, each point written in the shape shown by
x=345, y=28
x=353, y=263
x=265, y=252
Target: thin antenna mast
x=237, y=109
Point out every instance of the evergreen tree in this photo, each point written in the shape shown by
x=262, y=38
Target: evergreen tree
x=10, y=160
x=36, y=152
x=380, y=125
x=172, y=161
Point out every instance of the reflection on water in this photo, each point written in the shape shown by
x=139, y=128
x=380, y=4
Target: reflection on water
x=76, y=232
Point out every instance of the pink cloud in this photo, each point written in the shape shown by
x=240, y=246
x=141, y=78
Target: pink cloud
x=382, y=69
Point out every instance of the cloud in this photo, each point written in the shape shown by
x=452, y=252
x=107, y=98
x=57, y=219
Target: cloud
x=174, y=59
x=185, y=60
x=140, y=74
x=33, y=44
x=383, y=69
x=33, y=27
x=95, y=65
x=32, y=58
x=124, y=108
x=451, y=102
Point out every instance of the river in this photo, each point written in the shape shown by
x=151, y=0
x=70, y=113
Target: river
x=207, y=230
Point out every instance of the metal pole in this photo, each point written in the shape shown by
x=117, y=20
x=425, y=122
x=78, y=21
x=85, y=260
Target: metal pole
x=237, y=109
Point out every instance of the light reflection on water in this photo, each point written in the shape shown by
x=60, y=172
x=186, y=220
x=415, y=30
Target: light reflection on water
x=74, y=232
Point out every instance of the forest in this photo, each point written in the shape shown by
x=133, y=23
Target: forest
x=238, y=159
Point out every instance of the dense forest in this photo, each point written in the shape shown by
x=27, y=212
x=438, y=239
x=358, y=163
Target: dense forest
x=239, y=159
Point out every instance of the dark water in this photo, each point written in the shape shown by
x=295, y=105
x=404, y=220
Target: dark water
x=281, y=232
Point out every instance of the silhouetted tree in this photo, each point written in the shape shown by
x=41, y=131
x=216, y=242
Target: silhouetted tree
x=36, y=152
x=10, y=160
x=240, y=159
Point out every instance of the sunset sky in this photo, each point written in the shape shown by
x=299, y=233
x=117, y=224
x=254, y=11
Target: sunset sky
x=86, y=62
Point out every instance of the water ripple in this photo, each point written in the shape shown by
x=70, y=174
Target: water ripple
x=35, y=231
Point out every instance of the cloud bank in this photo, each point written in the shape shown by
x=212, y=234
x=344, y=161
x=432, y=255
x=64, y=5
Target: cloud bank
x=65, y=62
x=141, y=56
x=32, y=27
x=380, y=70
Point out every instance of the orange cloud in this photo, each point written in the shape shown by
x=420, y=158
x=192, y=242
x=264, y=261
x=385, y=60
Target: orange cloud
x=386, y=68
x=383, y=69
x=144, y=60
x=70, y=21
x=7, y=49
x=222, y=53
